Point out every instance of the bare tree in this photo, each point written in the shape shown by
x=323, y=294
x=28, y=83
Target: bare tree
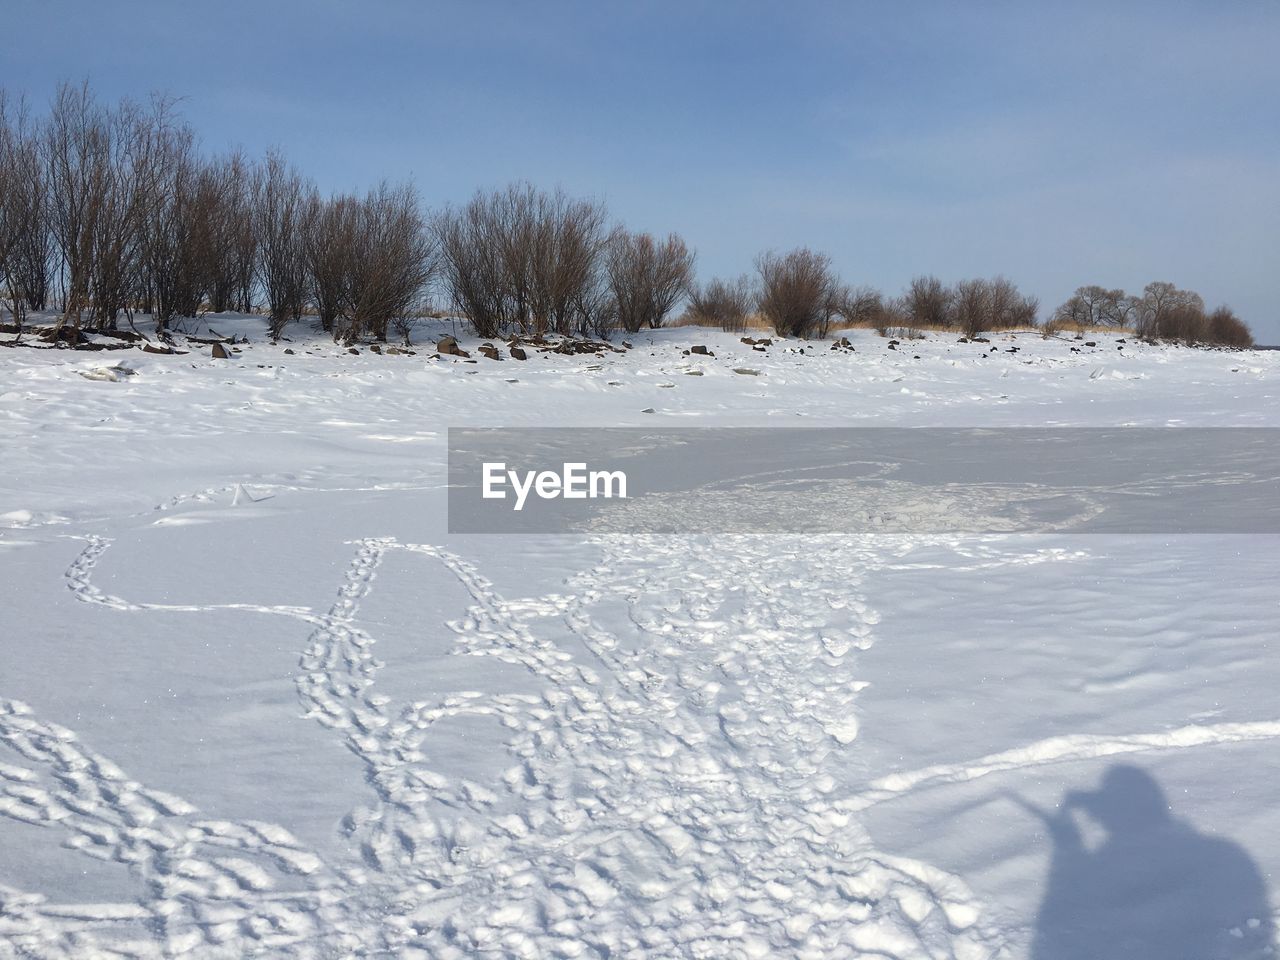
x=568, y=292
x=894, y=315
x=182, y=231
x=279, y=193
x=519, y=260
x=1118, y=309
x=139, y=143
x=971, y=307
x=723, y=303
x=23, y=234
x=368, y=259
x=1092, y=300
x=646, y=277
x=927, y=302
x=329, y=229
x=393, y=259
x=799, y=293
x=473, y=268
x=235, y=241
x=76, y=155
x=1164, y=307
x=1096, y=306
x=996, y=304
x=101, y=171
x=1010, y=309
x=1073, y=313
x=862, y=305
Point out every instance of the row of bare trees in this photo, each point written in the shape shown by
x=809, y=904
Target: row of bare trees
x=799, y=294
x=526, y=261
x=1162, y=311
x=970, y=307
x=111, y=210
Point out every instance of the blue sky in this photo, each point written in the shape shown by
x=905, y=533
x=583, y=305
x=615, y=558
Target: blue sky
x=1058, y=144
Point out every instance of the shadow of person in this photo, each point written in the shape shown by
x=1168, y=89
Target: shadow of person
x=1153, y=889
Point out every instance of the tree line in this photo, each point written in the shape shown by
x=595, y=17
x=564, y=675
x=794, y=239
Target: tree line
x=1161, y=311
x=108, y=211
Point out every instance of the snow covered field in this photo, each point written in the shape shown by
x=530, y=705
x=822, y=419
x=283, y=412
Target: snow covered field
x=254, y=700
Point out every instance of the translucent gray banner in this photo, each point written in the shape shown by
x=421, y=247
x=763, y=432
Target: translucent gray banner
x=864, y=480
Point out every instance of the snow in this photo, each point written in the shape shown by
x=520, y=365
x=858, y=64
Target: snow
x=255, y=701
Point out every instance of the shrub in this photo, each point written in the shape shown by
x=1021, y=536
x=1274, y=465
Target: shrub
x=646, y=278
x=521, y=260
x=1183, y=321
x=723, y=303
x=279, y=193
x=1164, y=307
x=1228, y=330
x=799, y=294
x=997, y=304
x=927, y=302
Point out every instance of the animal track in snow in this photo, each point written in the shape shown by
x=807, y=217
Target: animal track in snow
x=672, y=794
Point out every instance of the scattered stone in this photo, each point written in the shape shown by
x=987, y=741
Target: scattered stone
x=153, y=348
x=701, y=350
x=517, y=353
x=288, y=350
x=572, y=347
x=746, y=371
x=448, y=346
x=393, y=351
x=693, y=373
x=1091, y=343
x=647, y=410
x=375, y=348
x=219, y=352
x=353, y=351
x=749, y=341
x=490, y=351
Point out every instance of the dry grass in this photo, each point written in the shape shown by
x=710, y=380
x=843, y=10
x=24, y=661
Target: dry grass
x=923, y=328
x=755, y=321
x=1050, y=329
